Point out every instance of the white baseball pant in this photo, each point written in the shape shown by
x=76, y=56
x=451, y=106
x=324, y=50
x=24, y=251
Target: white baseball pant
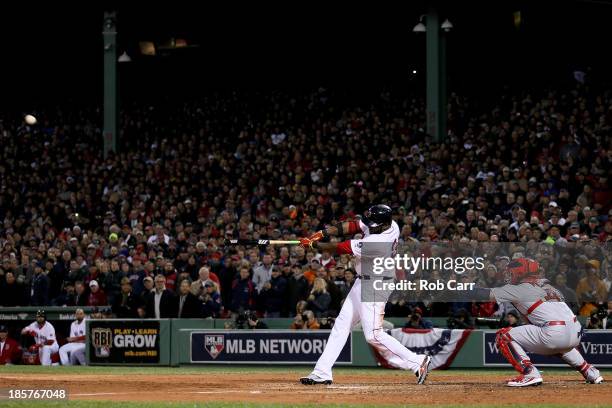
x=78, y=356
x=45, y=353
x=371, y=315
x=67, y=350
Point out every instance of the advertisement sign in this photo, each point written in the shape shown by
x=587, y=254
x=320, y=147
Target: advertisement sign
x=595, y=346
x=124, y=341
x=262, y=346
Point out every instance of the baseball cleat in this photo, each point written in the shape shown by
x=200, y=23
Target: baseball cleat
x=592, y=375
x=597, y=380
x=525, y=381
x=423, y=370
x=313, y=379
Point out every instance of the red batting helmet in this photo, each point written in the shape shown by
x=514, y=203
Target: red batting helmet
x=521, y=268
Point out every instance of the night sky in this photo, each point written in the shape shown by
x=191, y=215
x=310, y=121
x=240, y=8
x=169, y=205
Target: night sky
x=52, y=54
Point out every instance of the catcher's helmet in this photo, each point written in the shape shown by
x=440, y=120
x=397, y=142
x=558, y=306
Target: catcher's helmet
x=377, y=216
x=520, y=269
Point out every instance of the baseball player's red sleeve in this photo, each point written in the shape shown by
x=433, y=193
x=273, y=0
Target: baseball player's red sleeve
x=353, y=227
x=79, y=338
x=344, y=248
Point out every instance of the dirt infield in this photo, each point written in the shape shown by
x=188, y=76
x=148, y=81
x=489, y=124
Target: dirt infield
x=392, y=388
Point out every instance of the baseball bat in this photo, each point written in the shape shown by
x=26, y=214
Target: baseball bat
x=259, y=242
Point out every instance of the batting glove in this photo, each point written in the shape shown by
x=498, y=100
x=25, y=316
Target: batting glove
x=306, y=243
x=317, y=236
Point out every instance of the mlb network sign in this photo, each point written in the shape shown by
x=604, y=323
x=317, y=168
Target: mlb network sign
x=262, y=346
x=595, y=346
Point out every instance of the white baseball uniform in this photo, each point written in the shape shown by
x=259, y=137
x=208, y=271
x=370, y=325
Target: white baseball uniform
x=370, y=314
x=43, y=335
x=554, y=329
x=69, y=352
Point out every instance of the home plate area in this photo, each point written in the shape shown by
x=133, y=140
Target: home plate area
x=351, y=386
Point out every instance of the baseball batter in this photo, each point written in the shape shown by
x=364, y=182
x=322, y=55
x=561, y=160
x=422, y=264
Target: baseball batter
x=553, y=328
x=44, y=337
x=377, y=227
x=74, y=350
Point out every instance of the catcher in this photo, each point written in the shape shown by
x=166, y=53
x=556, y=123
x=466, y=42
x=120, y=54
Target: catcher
x=553, y=328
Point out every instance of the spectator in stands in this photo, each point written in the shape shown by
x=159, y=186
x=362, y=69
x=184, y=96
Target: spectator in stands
x=126, y=303
x=243, y=292
x=204, y=275
x=170, y=274
x=460, y=320
x=416, y=321
x=598, y=319
x=591, y=290
x=273, y=293
x=254, y=323
x=300, y=307
x=12, y=293
x=10, y=351
x=147, y=288
x=511, y=319
x=188, y=305
x=160, y=302
x=305, y=320
x=59, y=273
x=568, y=294
x=349, y=278
x=319, y=299
x=40, y=286
x=263, y=272
x=297, y=286
x=592, y=228
x=333, y=290
x=97, y=297
x=211, y=300
x=327, y=261
x=112, y=280
x=606, y=234
x=67, y=297
x=141, y=312
x=81, y=297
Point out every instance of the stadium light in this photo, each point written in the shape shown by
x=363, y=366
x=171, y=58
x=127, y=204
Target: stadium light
x=447, y=25
x=124, y=57
x=420, y=27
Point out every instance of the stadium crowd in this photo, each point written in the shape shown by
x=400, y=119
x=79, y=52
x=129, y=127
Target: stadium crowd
x=142, y=231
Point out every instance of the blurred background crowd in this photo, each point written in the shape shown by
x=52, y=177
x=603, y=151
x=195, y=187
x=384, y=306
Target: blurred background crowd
x=142, y=231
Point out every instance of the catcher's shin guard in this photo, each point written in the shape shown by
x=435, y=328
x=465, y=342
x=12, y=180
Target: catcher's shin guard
x=512, y=351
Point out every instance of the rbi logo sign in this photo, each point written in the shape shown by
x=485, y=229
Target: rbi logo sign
x=214, y=344
x=102, y=340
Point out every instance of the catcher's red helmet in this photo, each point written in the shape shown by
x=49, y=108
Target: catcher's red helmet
x=521, y=268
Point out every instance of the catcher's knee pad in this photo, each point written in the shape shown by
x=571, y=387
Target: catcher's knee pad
x=504, y=344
